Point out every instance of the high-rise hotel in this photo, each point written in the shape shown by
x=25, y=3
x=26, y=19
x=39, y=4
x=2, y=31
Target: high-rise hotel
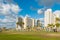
x=28, y=22
x=50, y=17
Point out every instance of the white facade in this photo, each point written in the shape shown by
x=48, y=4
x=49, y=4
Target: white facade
x=48, y=18
x=25, y=22
x=19, y=19
x=53, y=18
x=28, y=22
x=33, y=22
x=38, y=23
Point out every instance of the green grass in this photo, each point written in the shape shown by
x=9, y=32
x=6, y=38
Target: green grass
x=27, y=36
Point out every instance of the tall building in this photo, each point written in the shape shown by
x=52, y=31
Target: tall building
x=38, y=23
x=28, y=22
x=33, y=22
x=19, y=22
x=48, y=18
x=53, y=18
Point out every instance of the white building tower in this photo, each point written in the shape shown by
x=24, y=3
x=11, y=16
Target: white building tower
x=33, y=22
x=19, y=20
x=48, y=19
x=28, y=22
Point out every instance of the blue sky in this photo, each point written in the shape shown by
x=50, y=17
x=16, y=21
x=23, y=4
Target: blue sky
x=31, y=7
x=10, y=9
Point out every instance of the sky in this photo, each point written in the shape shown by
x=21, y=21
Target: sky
x=10, y=9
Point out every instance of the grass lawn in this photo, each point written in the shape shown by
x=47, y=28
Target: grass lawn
x=28, y=36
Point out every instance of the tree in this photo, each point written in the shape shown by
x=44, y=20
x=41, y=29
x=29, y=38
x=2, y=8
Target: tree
x=20, y=23
x=4, y=28
x=57, y=19
x=17, y=24
x=50, y=25
x=57, y=24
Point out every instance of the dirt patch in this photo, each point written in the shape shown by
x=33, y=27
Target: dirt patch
x=53, y=35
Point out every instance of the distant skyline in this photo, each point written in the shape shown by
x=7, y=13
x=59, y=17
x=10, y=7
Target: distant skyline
x=10, y=9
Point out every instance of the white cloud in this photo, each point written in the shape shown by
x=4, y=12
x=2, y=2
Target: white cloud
x=5, y=8
x=9, y=8
x=9, y=16
x=39, y=11
x=47, y=3
x=10, y=12
x=41, y=19
x=57, y=13
x=0, y=20
x=27, y=15
x=15, y=8
x=5, y=20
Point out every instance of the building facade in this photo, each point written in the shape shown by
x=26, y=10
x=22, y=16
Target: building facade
x=28, y=22
x=38, y=23
x=19, y=23
x=48, y=17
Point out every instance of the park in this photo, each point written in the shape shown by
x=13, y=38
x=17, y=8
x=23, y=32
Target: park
x=29, y=35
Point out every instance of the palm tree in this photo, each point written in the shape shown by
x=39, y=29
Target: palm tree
x=17, y=24
x=50, y=25
x=20, y=24
x=57, y=24
x=57, y=19
x=4, y=28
